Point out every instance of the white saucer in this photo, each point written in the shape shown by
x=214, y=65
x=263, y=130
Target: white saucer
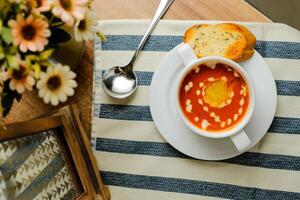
x=175, y=132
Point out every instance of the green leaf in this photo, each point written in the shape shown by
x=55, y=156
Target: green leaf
x=13, y=61
x=29, y=58
x=5, y=7
x=46, y=54
x=8, y=98
x=2, y=4
x=37, y=70
x=1, y=25
x=6, y=35
x=1, y=53
x=59, y=35
x=101, y=36
x=45, y=63
x=12, y=50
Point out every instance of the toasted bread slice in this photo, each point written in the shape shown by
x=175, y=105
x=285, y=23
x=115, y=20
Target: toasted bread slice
x=251, y=41
x=233, y=41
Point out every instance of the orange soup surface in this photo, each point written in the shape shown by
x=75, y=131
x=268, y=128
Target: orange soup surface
x=214, y=97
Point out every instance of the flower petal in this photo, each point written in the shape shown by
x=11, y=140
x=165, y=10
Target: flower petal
x=56, y=11
x=62, y=97
x=47, y=97
x=78, y=35
x=79, y=13
x=12, y=85
x=32, y=46
x=46, y=33
x=30, y=80
x=28, y=86
x=12, y=23
x=39, y=45
x=23, y=47
x=69, y=91
x=42, y=92
x=67, y=18
x=20, y=88
x=54, y=100
x=29, y=19
x=71, y=83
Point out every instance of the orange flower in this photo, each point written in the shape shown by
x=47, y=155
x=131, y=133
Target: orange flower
x=67, y=10
x=20, y=79
x=30, y=33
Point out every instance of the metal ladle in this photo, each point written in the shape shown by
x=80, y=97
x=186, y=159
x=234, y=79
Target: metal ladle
x=120, y=82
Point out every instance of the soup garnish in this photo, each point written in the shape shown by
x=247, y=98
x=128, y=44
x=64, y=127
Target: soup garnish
x=214, y=97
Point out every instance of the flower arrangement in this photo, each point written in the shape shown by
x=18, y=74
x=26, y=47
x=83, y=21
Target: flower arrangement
x=30, y=31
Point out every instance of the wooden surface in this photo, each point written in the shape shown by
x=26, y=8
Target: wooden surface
x=72, y=142
x=235, y=10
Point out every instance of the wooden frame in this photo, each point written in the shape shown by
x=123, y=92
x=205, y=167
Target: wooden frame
x=67, y=120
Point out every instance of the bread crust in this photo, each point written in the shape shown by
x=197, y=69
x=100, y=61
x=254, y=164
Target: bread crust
x=240, y=48
x=251, y=41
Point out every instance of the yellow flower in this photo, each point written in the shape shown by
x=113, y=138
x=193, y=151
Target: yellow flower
x=20, y=79
x=69, y=10
x=30, y=33
x=86, y=28
x=56, y=84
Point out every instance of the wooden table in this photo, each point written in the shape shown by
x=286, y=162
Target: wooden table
x=236, y=10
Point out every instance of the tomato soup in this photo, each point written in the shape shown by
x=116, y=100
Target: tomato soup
x=214, y=97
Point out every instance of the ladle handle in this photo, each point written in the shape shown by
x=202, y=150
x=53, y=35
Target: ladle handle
x=161, y=10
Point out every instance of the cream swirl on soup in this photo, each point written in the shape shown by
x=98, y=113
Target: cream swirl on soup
x=214, y=97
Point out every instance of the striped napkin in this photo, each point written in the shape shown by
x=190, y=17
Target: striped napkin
x=136, y=161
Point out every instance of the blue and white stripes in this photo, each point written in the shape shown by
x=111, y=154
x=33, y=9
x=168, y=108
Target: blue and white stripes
x=142, y=113
x=284, y=88
x=271, y=161
x=268, y=49
x=137, y=162
x=193, y=187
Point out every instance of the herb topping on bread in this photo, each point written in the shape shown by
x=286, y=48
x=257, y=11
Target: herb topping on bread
x=232, y=41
